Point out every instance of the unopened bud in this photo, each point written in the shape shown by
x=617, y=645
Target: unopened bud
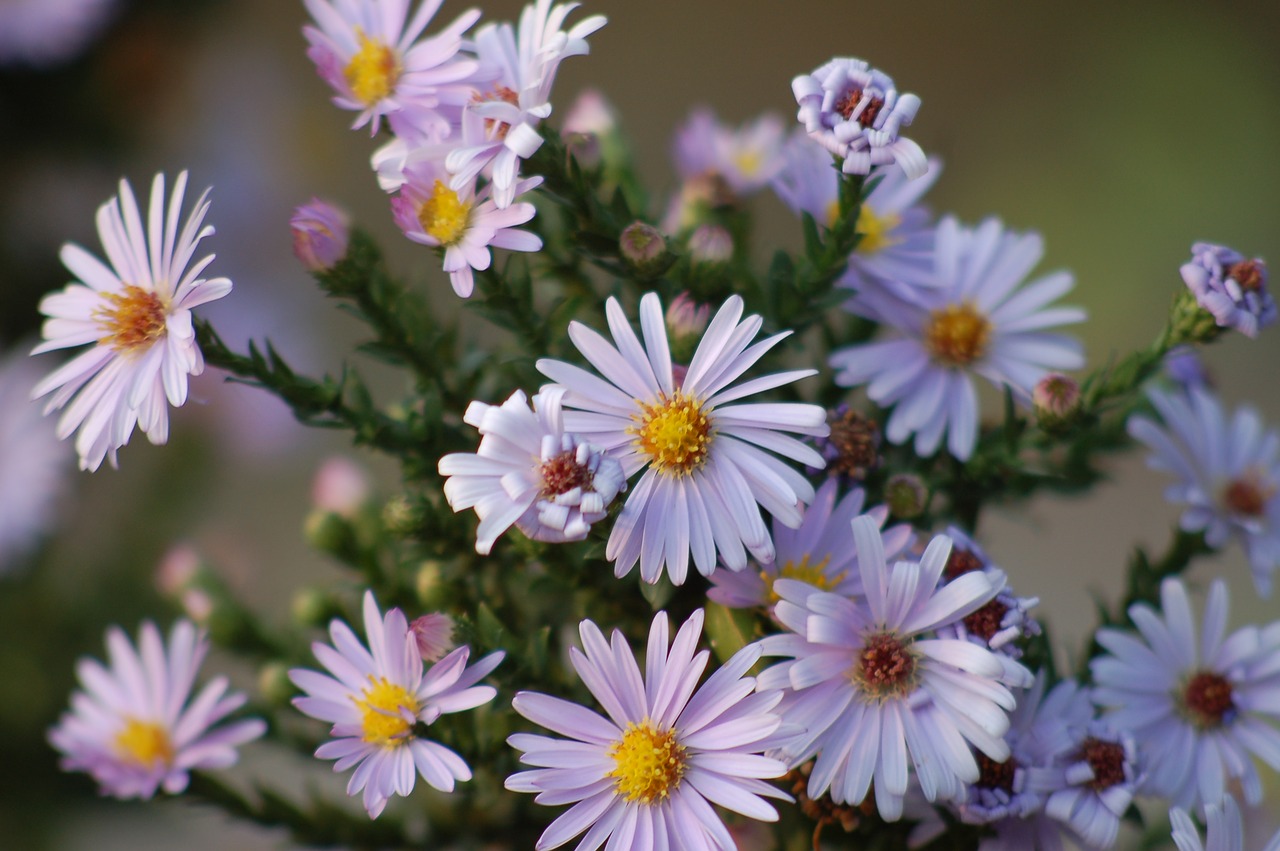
x=399, y=517
x=429, y=583
x=320, y=235
x=711, y=244
x=328, y=532
x=1056, y=400
x=274, y=684
x=645, y=248
x=906, y=495
x=313, y=607
x=177, y=569
x=433, y=634
x=686, y=320
x=340, y=486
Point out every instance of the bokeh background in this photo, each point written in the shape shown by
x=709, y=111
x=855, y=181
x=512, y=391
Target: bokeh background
x=1121, y=132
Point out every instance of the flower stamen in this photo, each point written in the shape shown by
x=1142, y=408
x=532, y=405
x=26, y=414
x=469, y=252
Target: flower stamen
x=373, y=70
x=388, y=712
x=957, y=335
x=649, y=763
x=675, y=433
x=132, y=320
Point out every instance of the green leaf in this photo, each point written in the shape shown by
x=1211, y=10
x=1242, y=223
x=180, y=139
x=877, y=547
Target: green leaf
x=728, y=630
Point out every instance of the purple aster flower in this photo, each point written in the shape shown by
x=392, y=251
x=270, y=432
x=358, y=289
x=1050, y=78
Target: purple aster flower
x=972, y=316
x=1197, y=709
x=820, y=552
x=746, y=158
x=1228, y=473
x=1187, y=368
x=1226, y=829
x=1231, y=287
x=645, y=776
x=854, y=111
x=877, y=691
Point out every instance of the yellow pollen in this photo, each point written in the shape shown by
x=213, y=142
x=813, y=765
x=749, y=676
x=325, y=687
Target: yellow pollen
x=373, y=71
x=876, y=230
x=649, y=762
x=383, y=710
x=675, y=433
x=131, y=320
x=805, y=571
x=144, y=743
x=748, y=162
x=957, y=334
x=444, y=216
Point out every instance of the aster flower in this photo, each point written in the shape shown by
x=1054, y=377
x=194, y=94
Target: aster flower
x=1197, y=709
x=746, y=158
x=971, y=315
x=462, y=222
x=33, y=464
x=872, y=686
x=137, y=315
x=706, y=462
x=856, y=113
x=645, y=776
x=820, y=552
x=371, y=53
x=134, y=726
x=1228, y=473
x=1231, y=287
x=525, y=63
x=1096, y=786
x=1226, y=830
x=48, y=32
x=377, y=698
x=530, y=473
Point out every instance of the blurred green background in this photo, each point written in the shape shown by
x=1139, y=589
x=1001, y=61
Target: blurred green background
x=1122, y=132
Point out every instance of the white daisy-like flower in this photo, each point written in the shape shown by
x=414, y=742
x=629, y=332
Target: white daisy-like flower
x=820, y=552
x=646, y=776
x=33, y=463
x=1225, y=829
x=377, y=698
x=134, y=725
x=876, y=691
x=969, y=315
x=514, y=105
x=370, y=52
x=137, y=315
x=1198, y=709
x=1228, y=473
x=706, y=462
x=461, y=222
x=530, y=473
x=897, y=232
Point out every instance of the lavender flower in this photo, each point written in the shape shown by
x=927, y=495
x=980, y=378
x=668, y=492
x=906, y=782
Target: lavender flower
x=1231, y=287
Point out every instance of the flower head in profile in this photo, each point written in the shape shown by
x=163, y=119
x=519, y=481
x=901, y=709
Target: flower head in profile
x=646, y=776
x=856, y=113
x=746, y=158
x=1198, y=709
x=707, y=462
x=1230, y=286
x=1225, y=829
x=1228, y=473
x=379, y=698
x=877, y=691
x=134, y=726
x=530, y=473
x=372, y=54
x=462, y=223
x=321, y=232
x=136, y=313
x=970, y=315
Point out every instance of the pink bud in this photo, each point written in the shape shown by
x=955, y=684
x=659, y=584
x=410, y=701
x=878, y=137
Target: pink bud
x=320, y=233
x=340, y=486
x=434, y=635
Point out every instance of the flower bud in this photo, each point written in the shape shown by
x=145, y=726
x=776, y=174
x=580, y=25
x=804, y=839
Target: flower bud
x=589, y=121
x=1056, y=401
x=274, y=684
x=328, y=532
x=711, y=244
x=340, y=486
x=313, y=607
x=433, y=634
x=645, y=248
x=320, y=234
x=906, y=495
x=686, y=320
x=429, y=584
x=852, y=449
x=399, y=516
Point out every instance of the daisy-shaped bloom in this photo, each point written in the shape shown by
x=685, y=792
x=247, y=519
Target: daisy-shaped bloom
x=461, y=222
x=137, y=315
x=1198, y=709
x=819, y=552
x=1096, y=786
x=646, y=776
x=746, y=158
x=33, y=463
x=876, y=691
x=896, y=230
x=706, y=462
x=529, y=473
x=1231, y=287
x=512, y=107
x=134, y=726
x=376, y=698
x=1228, y=473
x=969, y=315
x=1225, y=829
x=854, y=111
x=370, y=53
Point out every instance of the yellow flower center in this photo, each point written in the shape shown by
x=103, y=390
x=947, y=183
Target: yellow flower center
x=144, y=743
x=444, y=216
x=131, y=320
x=805, y=571
x=748, y=162
x=373, y=71
x=384, y=708
x=649, y=763
x=957, y=334
x=876, y=230
x=675, y=433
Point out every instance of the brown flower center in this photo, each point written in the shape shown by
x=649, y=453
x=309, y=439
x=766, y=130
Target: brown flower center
x=960, y=562
x=497, y=129
x=996, y=775
x=856, y=439
x=563, y=473
x=1107, y=761
x=1206, y=700
x=885, y=667
x=985, y=622
x=957, y=335
x=1249, y=274
x=847, y=104
x=1248, y=495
